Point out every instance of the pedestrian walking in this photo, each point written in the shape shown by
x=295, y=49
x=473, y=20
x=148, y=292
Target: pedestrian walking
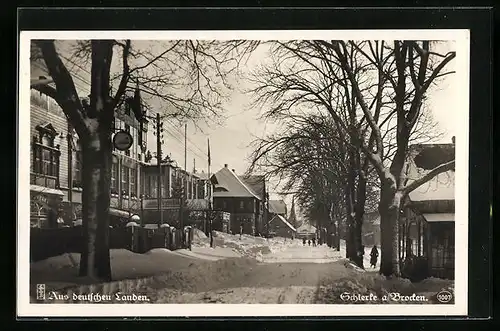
x=374, y=256
x=314, y=242
x=309, y=242
x=304, y=241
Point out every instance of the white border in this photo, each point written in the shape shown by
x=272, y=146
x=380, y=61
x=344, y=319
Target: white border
x=27, y=309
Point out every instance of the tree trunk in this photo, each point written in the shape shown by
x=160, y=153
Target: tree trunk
x=359, y=210
x=389, y=207
x=349, y=238
x=97, y=158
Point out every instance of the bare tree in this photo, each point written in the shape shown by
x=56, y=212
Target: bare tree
x=374, y=92
x=310, y=155
x=415, y=68
x=185, y=78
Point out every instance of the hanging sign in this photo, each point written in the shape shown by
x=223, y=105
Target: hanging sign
x=122, y=140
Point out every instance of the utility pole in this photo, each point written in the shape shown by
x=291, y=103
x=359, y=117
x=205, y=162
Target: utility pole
x=70, y=169
x=209, y=195
x=184, y=180
x=159, y=129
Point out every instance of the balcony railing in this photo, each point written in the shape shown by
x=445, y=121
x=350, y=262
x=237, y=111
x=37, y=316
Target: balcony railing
x=192, y=204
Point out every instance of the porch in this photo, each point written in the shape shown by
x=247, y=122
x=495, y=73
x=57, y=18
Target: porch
x=427, y=241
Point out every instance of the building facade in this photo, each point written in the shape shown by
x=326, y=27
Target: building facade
x=277, y=224
x=232, y=194
x=427, y=227
x=56, y=165
x=178, y=188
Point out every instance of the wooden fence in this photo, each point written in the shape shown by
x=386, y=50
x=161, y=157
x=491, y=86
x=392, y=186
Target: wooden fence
x=45, y=243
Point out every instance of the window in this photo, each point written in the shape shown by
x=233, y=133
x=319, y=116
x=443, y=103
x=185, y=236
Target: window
x=125, y=180
x=242, y=204
x=201, y=189
x=133, y=188
x=114, y=178
x=164, y=191
x=168, y=180
x=189, y=189
x=77, y=165
x=150, y=187
x=134, y=145
x=45, y=153
x=153, y=182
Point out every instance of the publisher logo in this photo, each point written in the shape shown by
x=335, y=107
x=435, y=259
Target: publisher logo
x=444, y=296
x=40, y=291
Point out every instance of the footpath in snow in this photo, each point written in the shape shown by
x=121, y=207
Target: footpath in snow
x=62, y=271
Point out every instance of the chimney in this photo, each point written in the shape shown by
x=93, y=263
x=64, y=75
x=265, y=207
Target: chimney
x=453, y=139
x=225, y=165
x=232, y=170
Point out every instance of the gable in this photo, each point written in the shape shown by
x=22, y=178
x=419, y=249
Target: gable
x=228, y=184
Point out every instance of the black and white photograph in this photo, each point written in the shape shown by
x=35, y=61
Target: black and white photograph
x=259, y=173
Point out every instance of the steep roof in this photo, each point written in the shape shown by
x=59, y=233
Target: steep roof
x=228, y=184
x=284, y=221
x=277, y=207
x=422, y=159
x=256, y=183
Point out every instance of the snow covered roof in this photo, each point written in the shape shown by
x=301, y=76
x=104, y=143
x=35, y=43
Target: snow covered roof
x=228, y=184
x=282, y=219
x=277, y=207
x=256, y=183
x=440, y=217
x=422, y=159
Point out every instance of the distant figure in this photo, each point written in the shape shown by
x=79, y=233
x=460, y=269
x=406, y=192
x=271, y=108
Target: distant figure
x=309, y=242
x=304, y=241
x=314, y=242
x=374, y=256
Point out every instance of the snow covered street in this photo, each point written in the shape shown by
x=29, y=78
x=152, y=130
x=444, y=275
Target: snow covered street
x=238, y=270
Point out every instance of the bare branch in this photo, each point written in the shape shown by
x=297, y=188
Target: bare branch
x=427, y=177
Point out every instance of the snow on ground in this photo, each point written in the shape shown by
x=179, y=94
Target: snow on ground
x=244, y=245
x=366, y=257
x=238, y=270
x=245, y=295
x=62, y=271
x=303, y=254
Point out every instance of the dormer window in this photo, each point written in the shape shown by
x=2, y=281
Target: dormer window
x=46, y=156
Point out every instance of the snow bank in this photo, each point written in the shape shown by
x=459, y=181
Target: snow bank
x=207, y=253
x=244, y=245
x=199, y=235
x=196, y=276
